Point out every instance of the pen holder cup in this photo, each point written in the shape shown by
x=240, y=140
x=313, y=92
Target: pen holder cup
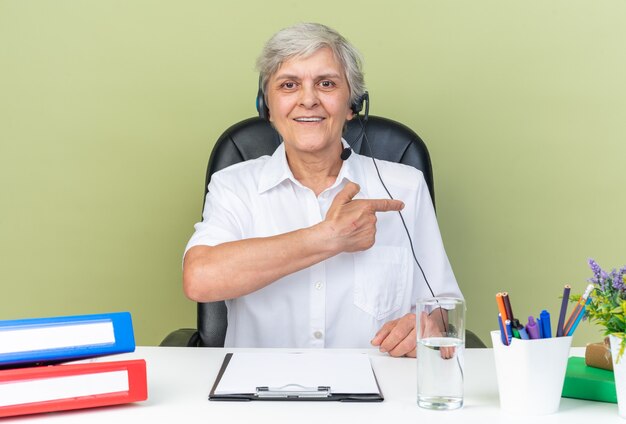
x=530, y=373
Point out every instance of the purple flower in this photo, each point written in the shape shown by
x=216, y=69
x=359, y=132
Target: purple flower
x=600, y=276
x=613, y=282
x=597, y=272
x=617, y=280
x=594, y=267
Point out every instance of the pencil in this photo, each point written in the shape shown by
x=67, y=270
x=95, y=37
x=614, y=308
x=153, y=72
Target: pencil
x=507, y=306
x=577, y=309
x=572, y=317
x=578, y=318
x=559, y=327
x=502, y=311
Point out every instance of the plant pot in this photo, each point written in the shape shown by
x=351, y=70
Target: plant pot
x=619, y=368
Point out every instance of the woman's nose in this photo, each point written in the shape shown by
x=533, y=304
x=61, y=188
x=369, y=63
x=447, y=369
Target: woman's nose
x=308, y=96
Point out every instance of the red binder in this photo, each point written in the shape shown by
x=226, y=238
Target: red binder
x=71, y=386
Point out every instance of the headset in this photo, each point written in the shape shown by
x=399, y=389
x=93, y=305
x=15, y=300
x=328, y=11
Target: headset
x=264, y=112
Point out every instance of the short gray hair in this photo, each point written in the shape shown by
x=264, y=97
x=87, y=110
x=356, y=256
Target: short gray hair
x=303, y=40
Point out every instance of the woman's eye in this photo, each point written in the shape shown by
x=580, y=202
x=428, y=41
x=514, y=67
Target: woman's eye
x=288, y=85
x=327, y=84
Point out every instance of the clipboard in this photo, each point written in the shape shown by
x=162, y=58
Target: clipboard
x=302, y=376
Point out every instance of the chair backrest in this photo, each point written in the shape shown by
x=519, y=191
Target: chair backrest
x=249, y=139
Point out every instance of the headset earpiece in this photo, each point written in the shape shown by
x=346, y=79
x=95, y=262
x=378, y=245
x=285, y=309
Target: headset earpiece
x=363, y=101
x=357, y=106
x=261, y=107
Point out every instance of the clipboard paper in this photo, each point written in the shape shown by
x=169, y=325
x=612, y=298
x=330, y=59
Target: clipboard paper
x=308, y=376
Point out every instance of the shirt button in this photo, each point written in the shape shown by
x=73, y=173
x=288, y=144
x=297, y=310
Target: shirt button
x=319, y=285
x=318, y=335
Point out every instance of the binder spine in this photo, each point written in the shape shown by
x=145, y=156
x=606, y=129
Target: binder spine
x=58, y=339
x=134, y=390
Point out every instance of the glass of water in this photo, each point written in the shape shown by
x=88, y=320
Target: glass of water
x=440, y=330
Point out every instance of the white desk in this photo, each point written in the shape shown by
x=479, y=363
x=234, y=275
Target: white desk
x=179, y=381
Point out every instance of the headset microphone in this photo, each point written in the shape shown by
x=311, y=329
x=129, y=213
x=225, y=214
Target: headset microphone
x=345, y=153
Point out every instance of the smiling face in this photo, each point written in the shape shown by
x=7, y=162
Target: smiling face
x=309, y=103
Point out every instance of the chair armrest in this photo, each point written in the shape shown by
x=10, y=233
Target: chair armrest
x=183, y=337
x=473, y=341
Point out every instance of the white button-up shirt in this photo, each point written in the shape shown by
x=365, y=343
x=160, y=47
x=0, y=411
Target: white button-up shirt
x=340, y=302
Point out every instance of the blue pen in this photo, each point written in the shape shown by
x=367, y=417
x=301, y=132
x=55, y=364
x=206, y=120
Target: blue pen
x=523, y=334
x=509, y=331
x=579, y=317
x=502, y=334
x=540, y=327
x=545, y=324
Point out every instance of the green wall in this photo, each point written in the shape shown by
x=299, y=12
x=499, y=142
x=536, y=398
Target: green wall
x=109, y=109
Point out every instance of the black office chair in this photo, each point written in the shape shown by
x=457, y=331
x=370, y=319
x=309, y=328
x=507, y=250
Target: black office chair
x=255, y=137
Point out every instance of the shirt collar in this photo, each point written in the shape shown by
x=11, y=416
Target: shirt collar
x=276, y=170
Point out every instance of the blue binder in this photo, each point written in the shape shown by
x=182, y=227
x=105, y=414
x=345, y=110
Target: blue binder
x=59, y=339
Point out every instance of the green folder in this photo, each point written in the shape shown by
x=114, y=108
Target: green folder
x=584, y=382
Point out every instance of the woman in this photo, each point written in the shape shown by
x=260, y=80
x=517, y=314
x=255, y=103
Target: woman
x=300, y=244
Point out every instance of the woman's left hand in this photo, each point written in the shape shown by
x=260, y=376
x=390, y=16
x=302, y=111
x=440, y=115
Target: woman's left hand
x=397, y=337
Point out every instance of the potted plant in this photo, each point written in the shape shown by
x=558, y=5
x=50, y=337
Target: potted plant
x=606, y=307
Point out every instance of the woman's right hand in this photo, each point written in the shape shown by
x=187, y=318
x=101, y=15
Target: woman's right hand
x=352, y=223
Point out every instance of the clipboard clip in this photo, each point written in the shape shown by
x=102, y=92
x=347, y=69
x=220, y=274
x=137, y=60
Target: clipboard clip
x=293, y=391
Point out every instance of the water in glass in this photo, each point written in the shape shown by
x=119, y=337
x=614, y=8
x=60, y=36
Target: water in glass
x=440, y=372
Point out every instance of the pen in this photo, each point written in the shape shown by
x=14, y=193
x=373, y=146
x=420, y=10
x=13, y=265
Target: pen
x=502, y=333
x=576, y=311
x=579, y=317
x=545, y=324
x=539, y=326
x=515, y=332
x=559, y=327
x=520, y=329
x=523, y=334
x=532, y=328
x=507, y=325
